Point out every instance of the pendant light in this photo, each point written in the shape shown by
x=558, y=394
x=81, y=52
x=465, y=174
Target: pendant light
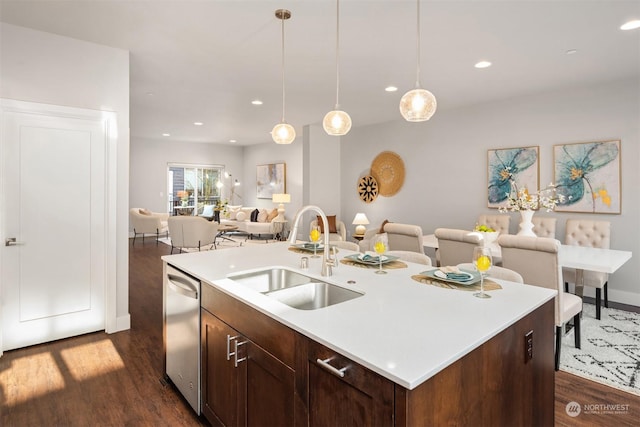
x=337, y=122
x=418, y=105
x=283, y=132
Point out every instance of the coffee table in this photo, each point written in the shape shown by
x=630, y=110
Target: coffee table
x=224, y=229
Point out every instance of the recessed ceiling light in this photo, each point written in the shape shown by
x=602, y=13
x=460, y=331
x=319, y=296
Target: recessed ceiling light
x=571, y=51
x=256, y=102
x=390, y=88
x=483, y=64
x=166, y=134
x=232, y=141
x=631, y=25
x=198, y=123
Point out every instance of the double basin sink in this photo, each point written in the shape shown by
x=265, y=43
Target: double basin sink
x=294, y=289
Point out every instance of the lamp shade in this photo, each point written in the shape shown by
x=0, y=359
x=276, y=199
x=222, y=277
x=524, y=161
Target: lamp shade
x=283, y=133
x=281, y=198
x=336, y=123
x=360, y=220
x=418, y=105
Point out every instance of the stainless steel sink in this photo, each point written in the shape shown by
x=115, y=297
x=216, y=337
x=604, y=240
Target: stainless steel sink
x=270, y=279
x=314, y=295
x=294, y=289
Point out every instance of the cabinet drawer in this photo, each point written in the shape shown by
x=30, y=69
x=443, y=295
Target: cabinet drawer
x=269, y=334
x=342, y=392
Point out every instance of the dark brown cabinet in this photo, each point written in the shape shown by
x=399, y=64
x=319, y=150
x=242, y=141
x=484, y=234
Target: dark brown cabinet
x=286, y=379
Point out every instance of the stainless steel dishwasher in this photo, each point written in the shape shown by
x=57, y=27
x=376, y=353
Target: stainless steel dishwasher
x=181, y=295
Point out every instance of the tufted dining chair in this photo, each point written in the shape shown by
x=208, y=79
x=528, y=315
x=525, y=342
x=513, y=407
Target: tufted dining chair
x=497, y=222
x=456, y=246
x=536, y=259
x=544, y=226
x=596, y=234
x=188, y=232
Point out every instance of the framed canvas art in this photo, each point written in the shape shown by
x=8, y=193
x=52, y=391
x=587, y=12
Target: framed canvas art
x=511, y=169
x=270, y=179
x=587, y=174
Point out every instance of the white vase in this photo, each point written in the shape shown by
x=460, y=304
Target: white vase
x=526, y=226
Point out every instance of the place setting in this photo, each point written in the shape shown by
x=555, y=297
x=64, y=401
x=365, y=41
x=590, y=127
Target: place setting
x=375, y=259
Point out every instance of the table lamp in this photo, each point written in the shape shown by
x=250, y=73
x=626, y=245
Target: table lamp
x=281, y=198
x=360, y=221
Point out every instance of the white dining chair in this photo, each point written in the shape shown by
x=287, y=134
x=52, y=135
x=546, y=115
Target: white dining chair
x=411, y=257
x=345, y=244
x=596, y=234
x=544, y=226
x=496, y=272
x=456, y=246
x=536, y=259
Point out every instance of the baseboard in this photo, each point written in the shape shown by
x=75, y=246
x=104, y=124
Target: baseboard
x=123, y=323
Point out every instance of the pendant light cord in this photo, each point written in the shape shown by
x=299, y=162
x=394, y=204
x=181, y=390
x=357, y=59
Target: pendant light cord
x=283, y=19
x=418, y=47
x=337, y=54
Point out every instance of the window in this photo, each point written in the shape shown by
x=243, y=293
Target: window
x=193, y=186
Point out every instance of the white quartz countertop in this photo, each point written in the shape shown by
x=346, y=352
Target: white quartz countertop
x=404, y=330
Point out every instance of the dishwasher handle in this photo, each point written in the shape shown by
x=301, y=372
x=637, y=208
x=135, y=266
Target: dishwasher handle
x=182, y=286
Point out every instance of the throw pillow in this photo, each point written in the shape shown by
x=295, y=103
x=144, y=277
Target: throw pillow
x=262, y=215
x=272, y=215
x=207, y=210
x=233, y=211
x=254, y=215
x=144, y=211
x=331, y=219
x=241, y=216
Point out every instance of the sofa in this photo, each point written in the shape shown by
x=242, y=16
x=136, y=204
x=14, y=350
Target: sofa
x=240, y=216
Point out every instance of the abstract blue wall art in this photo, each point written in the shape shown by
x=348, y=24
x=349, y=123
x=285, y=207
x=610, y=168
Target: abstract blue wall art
x=509, y=169
x=588, y=175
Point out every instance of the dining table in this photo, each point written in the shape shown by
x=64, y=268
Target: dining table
x=581, y=258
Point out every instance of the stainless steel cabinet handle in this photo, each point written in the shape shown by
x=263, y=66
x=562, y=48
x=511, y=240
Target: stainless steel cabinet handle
x=235, y=353
x=11, y=241
x=335, y=371
x=229, y=353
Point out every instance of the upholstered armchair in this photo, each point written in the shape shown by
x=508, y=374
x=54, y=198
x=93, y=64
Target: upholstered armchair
x=400, y=237
x=596, y=234
x=147, y=222
x=536, y=259
x=188, y=232
x=339, y=229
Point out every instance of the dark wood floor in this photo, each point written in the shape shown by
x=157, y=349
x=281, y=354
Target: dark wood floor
x=114, y=380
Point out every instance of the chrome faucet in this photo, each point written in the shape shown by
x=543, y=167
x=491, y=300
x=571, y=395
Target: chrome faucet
x=327, y=262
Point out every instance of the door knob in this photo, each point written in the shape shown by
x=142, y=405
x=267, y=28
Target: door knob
x=11, y=241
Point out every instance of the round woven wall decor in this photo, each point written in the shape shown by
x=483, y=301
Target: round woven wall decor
x=388, y=169
x=367, y=189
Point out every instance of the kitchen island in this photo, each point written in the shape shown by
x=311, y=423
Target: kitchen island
x=447, y=356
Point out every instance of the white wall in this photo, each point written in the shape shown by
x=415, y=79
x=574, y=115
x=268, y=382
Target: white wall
x=271, y=152
x=446, y=170
x=50, y=69
x=150, y=158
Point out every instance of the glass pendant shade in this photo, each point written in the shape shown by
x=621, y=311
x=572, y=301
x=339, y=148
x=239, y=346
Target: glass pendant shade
x=418, y=105
x=336, y=123
x=283, y=133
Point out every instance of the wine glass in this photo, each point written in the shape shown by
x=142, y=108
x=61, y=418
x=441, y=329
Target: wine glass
x=314, y=236
x=482, y=262
x=380, y=246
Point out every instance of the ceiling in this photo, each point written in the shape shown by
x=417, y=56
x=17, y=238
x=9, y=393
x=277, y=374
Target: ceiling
x=207, y=60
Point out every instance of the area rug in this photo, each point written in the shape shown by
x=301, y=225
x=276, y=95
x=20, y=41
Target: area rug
x=610, y=351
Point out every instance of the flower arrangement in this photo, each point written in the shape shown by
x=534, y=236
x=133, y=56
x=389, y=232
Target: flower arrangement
x=526, y=201
x=184, y=197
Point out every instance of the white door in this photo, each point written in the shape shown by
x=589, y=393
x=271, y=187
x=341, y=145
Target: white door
x=54, y=206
